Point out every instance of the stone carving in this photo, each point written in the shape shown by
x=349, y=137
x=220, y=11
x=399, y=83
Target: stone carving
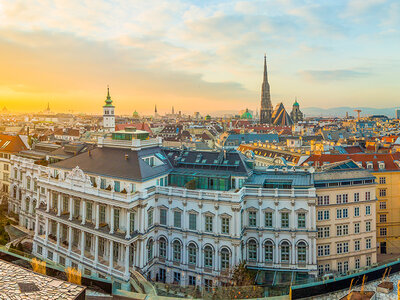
x=77, y=176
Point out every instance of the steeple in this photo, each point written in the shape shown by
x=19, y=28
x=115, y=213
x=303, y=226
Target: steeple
x=155, y=109
x=108, y=99
x=48, y=106
x=266, y=105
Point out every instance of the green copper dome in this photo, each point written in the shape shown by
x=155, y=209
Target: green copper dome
x=296, y=103
x=246, y=115
x=135, y=114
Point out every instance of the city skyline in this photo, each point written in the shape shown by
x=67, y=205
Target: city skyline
x=211, y=55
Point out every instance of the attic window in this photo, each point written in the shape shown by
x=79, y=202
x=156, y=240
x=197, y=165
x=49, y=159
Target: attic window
x=225, y=162
x=215, y=161
x=160, y=156
x=237, y=162
x=204, y=161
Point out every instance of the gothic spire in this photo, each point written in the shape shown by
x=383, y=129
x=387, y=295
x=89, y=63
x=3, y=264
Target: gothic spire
x=265, y=69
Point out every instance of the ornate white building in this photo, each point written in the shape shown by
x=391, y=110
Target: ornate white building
x=176, y=216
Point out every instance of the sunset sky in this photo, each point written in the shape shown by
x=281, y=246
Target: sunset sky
x=198, y=55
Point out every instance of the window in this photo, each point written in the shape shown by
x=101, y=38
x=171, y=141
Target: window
x=269, y=251
x=346, y=247
x=132, y=222
x=163, y=216
x=356, y=211
x=382, y=192
x=301, y=252
x=320, y=250
x=323, y=200
x=177, y=219
x=268, y=219
x=208, y=284
x=192, y=254
x=252, y=246
x=117, y=186
x=345, y=198
x=301, y=220
x=65, y=204
x=162, y=248
x=368, y=210
x=368, y=261
x=225, y=225
x=368, y=243
x=356, y=245
x=383, y=231
x=345, y=266
x=345, y=229
x=89, y=210
x=102, y=214
x=323, y=232
x=285, y=252
x=382, y=205
x=177, y=277
x=356, y=197
x=339, y=230
x=357, y=263
x=150, y=218
x=176, y=251
x=367, y=196
x=224, y=259
x=327, y=268
x=285, y=220
x=382, y=180
x=338, y=199
x=192, y=221
x=208, y=223
x=368, y=226
x=192, y=280
x=339, y=248
x=320, y=269
x=252, y=218
x=116, y=219
x=77, y=206
x=341, y=213
x=356, y=228
x=208, y=257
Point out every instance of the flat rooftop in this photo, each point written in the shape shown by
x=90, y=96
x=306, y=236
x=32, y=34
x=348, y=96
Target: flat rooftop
x=19, y=283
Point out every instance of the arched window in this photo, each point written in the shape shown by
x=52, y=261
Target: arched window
x=252, y=250
x=208, y=257
x=285, y=252
x=269, y=251
x=28, y=183
x=301, y=252
x=150, y=244
x=192, y=253
x=177, y=251
x=162, y=248
x=224, y=259
x=34, y=206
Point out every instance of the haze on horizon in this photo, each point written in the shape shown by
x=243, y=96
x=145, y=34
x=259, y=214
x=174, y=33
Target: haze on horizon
x=197, y=55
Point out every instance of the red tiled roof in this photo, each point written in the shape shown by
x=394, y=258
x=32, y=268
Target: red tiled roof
x=11, y=143
x=353, y=149
x=363, y=158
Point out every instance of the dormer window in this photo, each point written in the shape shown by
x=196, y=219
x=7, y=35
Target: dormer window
x=381, y=165
x=370, y=165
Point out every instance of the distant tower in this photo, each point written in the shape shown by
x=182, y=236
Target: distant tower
x=155, y=111
x=48, y=107
x=266, y=105
x=108, y=114
x=397, y=114
x=173, y=111
x=296, y=114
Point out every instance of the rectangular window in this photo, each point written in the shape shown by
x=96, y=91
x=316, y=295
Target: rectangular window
x=357, y=228
x=346, y=247
x=345, y=229
x=177, y=219
x=132, y=222
x=356, y=197
x=383, y=231
x=103, y=183
x=368, y=210
x=268, y=219
x=339, y=214
x=382, y=192
x=163, y=216
x=357, y=263
x=368, y=243
x=117, y=186
x=339, y=230
x=382, y=205
x=340, y=267
x=327, y=250
x=367, y=196
x=356, y=211
x=320, y=215
x=102, y=214
x=368, y=261
x=339, y=248
x=150, y=218
x=252, y=219
x=65, y=203
x=285, y=220
x=382, y=180
x=356, y=245
x=345, y=198
x=382, y=218
x=345, y=213
x=326, y=215
x=338, y=199
x=208, y=224
x=225, y=225
x=116, y=219
x=192, y=221
x=77, y=207
x=326, y=200
x=89, y=210
x=301, y=220
x=368, y=226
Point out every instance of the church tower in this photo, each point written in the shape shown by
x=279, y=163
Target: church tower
x=266, y=105
x=108, y=114
x=296, y=113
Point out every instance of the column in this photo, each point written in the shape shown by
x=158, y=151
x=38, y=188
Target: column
x=313, y=249
x=97, y=223
x=112, y=220
x=293, y=254
x=59, y=204
x=96, y=249
x=37, y=224
x=82, y=244
x=58, y=234
x=83, y=212
x=111, y=255
x=128, y=223
x=47, y=230
x=69, y=239
x=276, y=249
x=71, y=208
x=127, y=260
x=48, y=201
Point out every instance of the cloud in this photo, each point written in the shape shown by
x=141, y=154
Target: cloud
x=332, y=75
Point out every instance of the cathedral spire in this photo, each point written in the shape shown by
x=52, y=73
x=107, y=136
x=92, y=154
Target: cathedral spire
x=265, y=68
x=266, y=105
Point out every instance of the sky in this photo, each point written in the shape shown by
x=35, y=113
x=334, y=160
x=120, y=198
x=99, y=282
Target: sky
x=197, y=55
